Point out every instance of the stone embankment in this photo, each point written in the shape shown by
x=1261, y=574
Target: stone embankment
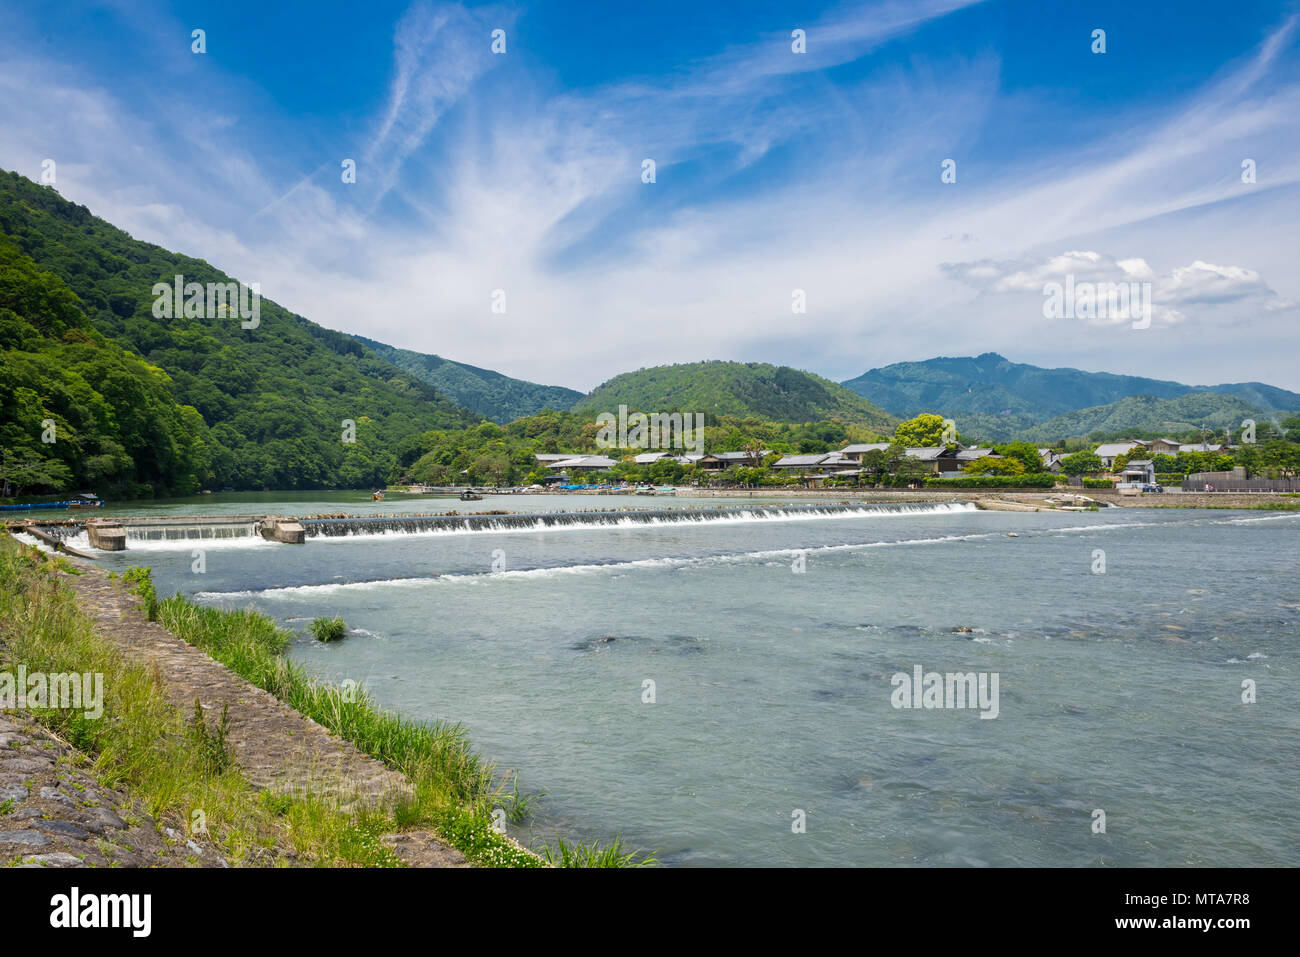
x=53, y=814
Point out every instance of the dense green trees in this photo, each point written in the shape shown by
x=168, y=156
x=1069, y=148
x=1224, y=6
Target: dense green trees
x=922, y=432
x=1024, y=453
x=180, y=403
x=78, y=411
x=988, y=465
x=1276, y=458
x=737, y=389
x=1081, y=463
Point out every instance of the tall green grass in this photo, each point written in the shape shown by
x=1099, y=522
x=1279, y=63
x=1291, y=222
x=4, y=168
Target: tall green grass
x=455, y=790
x=329, y=629
x=147, y=748
x=435, y=756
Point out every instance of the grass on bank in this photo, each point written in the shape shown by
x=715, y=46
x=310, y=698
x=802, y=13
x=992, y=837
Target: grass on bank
x=178, y=769
x=455, y=790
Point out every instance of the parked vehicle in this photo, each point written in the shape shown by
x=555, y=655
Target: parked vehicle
x=1153, y=488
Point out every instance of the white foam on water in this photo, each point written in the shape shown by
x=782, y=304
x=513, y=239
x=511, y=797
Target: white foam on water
x=190, y=544
x=32, y=540
x=558, y=571
x=631, y=521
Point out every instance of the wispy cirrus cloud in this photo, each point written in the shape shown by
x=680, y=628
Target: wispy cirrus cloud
x=439, y=50
x=776, y=171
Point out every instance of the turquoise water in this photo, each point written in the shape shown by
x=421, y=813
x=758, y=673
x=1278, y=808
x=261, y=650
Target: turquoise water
x=1119, y=691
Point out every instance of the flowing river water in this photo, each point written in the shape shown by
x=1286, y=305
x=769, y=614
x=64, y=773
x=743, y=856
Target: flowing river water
x=721, y=690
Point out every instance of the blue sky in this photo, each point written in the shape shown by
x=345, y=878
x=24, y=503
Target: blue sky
x=775, y=171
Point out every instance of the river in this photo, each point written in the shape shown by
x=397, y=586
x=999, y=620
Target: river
x=723, y=691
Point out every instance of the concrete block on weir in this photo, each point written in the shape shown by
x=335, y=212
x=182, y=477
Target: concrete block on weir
x=106, y=536
x=291, y=533
x=282, y=530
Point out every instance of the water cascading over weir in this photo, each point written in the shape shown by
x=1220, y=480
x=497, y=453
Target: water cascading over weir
x=124, y=531
x=623, y=518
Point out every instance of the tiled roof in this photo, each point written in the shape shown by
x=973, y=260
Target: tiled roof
x=1112, y=449
x=868, y=447
x=927, y=454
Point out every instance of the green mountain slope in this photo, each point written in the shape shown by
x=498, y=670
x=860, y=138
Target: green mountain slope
x=1150, y=417
x=76, y=410
x=491, y=394
x=990, y=394
x=274, y=398
x=775, y=393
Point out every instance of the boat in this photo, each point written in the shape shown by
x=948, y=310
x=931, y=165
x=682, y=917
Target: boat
x=469, y=496
x=376, y=496
x=81, y=501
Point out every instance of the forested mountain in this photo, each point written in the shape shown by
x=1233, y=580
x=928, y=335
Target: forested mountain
x=274, y=398
x=491, y=394
x=775, y=393
x=993, y=385
x=1148, y=417
x=996, y=399
x=76, y=410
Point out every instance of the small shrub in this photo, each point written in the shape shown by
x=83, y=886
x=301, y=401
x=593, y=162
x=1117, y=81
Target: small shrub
x=329, y=629
x=579, y=854
x=141, y=582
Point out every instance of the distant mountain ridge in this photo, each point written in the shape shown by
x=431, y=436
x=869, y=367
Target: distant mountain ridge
x=1147, y=416
x=996, y=398
x=774, y=393
x=491, y=394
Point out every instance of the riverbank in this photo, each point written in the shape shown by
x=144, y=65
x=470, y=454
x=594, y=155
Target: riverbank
x=1281, y=501
x=300, y=772
x=54, y=812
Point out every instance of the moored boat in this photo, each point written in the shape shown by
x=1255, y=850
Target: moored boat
x=81, y=501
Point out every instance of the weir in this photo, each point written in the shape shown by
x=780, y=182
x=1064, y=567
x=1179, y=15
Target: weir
x=628, y=518
x=297, y=530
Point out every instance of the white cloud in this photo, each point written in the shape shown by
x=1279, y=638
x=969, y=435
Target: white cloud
x=1197, y=290
x=1203, y=282
x=509, y=185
